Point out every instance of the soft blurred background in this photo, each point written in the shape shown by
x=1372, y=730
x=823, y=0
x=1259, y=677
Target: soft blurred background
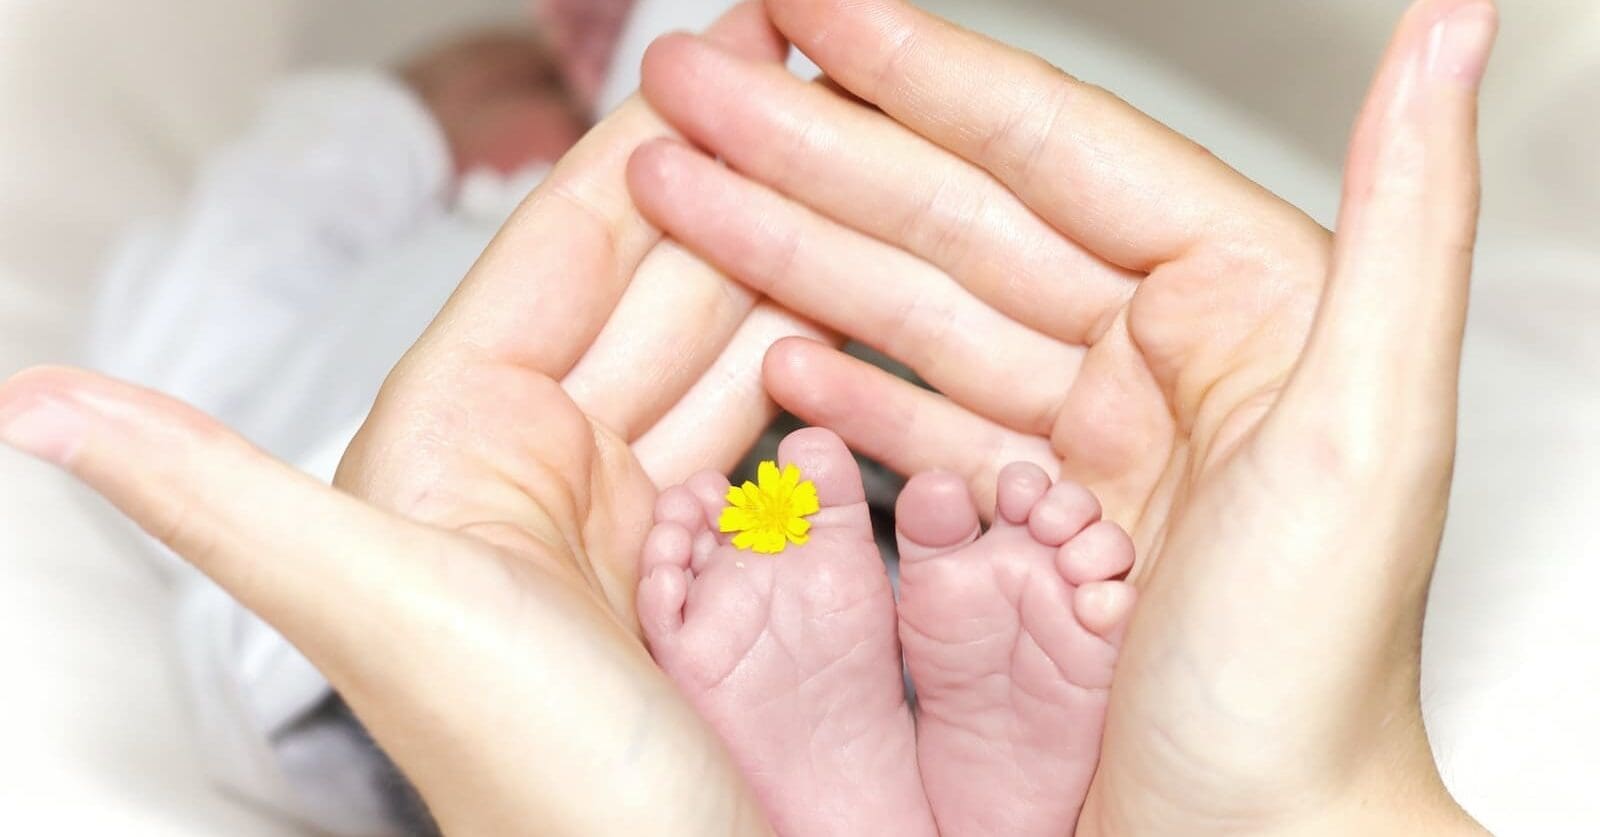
x=108, y=107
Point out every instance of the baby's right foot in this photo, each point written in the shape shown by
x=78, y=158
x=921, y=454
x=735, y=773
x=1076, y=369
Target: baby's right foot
x=791, y=657
x=1010, y=638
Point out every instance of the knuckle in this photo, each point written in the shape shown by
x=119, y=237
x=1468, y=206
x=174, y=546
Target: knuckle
x=1021, y=141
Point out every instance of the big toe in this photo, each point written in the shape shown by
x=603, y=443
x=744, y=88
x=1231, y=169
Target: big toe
x=823, y=459
x=935, y=514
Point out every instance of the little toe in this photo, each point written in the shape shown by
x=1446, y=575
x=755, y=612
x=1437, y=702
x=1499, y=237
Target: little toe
x=823, y=459
x=1099, y=552
x=934, y=515
x=663, y=590
x=1062, y=513
x=1103, y=607
x=1017, y=490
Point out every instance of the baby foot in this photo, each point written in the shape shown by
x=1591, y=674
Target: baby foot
x=793, y=658
x=1010, y=638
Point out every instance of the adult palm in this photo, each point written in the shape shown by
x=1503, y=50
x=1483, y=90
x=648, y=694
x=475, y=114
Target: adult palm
x=469, y=587
x=1083, y=287
x=1269, y=410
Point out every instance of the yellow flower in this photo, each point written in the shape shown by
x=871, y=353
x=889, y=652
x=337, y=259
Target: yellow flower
x=770, y=513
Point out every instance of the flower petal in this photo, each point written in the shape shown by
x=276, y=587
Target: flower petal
x=770, y=513
x=735, y=519
x=767, y=477
x=804, y=499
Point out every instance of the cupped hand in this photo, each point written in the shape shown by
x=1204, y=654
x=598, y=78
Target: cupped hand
x=468, y=588
x=1270, y=410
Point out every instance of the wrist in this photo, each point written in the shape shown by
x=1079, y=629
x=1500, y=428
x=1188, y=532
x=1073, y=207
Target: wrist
x=1401, y=799
x=1438, y=815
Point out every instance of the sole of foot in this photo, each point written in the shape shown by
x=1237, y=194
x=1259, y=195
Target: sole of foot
x=1011, y=637
x=792, y=658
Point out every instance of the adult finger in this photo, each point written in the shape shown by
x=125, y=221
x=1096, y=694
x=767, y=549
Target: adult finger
x=1127, y=187
x=907, y=428
x=711, y=427
x=672, y=324
x=861, y=168
x=858, y=285
x=551, y=277
x=1384, y=356
x=291, y=549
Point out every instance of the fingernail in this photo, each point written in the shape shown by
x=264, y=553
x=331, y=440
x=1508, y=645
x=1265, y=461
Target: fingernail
x=45, y=428
x=1458, y=46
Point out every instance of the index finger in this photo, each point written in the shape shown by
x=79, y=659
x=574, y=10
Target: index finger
x=550, y=278
x=1132, y=190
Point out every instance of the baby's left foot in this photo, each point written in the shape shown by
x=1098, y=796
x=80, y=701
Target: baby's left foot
x=793, y=657
x=1010, y=637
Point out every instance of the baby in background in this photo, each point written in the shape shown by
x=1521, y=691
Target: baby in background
x=770, y=606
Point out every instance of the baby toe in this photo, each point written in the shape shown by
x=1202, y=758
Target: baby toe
x=934, y=515
x=1104, y=606
x=679, y=505
x=663, y=590
x=1099, y=552
x=710, y=491
x=1018, y=489
x=669, y=544
x=823, y=459
x=1063, y=512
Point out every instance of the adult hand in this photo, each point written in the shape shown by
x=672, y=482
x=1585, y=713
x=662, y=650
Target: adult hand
x=1269, y=410
x=469, y=590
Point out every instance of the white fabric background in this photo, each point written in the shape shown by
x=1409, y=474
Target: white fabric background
x=107, y=106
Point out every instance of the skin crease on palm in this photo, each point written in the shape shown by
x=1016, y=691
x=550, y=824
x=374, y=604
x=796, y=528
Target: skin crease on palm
x=1093, y=292
x=1271, y=412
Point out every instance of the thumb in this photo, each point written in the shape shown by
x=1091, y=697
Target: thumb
x=293, y=550
x=1381, y=368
